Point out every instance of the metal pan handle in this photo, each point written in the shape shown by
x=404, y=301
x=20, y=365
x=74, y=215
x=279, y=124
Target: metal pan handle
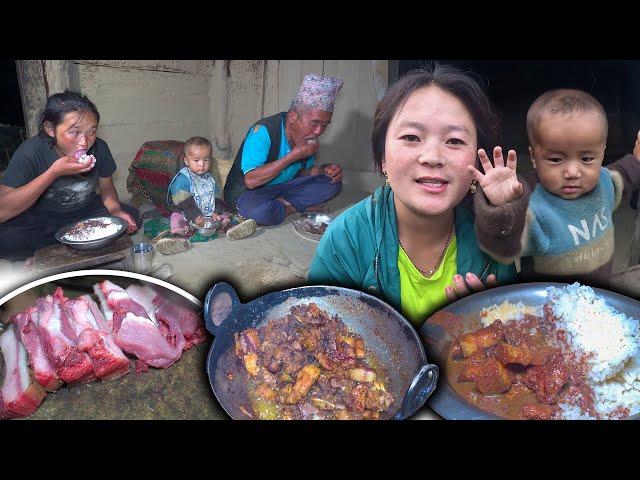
x=421, y=388
x=220, y=302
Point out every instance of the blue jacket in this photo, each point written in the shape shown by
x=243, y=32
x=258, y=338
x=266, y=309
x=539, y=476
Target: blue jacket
x=359, y=250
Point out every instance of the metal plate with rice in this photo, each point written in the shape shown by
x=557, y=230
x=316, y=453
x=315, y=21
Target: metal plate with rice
x=446, y=401
x=92, y=233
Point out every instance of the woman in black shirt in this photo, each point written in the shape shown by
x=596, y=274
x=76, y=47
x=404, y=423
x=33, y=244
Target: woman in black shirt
x=52, y=177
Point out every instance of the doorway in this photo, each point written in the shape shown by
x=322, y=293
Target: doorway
x=12, y=125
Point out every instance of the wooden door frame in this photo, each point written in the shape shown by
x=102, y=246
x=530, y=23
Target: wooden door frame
x=37, y=80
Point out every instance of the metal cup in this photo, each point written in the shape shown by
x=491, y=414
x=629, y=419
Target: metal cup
x=142, y=254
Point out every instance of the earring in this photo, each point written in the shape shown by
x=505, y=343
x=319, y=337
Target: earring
x=473, y=187
x=386, y=179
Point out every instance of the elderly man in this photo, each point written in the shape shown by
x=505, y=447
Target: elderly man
x=273, y=173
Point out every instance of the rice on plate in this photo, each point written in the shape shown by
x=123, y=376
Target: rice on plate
x=92, y=229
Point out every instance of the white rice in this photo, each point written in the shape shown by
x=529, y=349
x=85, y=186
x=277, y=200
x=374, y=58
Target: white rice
x=608, y=338
x=573, y=412
x=622, y=390
x=94, y=232
x=507, y=311
x=609, y=343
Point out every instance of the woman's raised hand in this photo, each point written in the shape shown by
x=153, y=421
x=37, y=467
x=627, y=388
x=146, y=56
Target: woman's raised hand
x=68, y=165
x=499, y=182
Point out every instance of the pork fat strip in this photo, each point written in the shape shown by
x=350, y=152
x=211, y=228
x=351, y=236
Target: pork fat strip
x=107, y=359
x=71, y=365
x=143, y=296
x=26, y=324
x=113, y=298
x=97, y=314
x=20, y=394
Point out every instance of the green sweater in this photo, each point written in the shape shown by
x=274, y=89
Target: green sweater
x=359, y=250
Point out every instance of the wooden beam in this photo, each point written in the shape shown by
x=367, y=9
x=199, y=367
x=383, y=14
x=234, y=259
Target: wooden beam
x=33, y=92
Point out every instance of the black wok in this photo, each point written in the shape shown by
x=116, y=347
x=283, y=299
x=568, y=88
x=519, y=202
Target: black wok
x=391, y=339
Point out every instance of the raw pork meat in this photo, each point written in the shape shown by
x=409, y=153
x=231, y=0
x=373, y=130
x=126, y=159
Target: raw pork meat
x=70, y=363
x=93, y=337
x=26, y=324
x=174, y=316
x=135, y=332
x=20, y=394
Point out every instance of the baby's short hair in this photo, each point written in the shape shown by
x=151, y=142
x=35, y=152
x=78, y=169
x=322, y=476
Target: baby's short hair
x=562, y=101
x=196, y=141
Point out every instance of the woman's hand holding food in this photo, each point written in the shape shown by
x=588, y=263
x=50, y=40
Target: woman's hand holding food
x=68, y=165
x=499, y=182
x=470, y=283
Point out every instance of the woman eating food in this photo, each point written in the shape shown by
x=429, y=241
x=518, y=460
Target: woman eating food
x=52, y=177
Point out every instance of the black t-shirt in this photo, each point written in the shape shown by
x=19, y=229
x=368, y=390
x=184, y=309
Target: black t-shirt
x=71, y=192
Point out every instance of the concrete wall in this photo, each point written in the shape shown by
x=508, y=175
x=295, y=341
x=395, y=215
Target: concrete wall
x=140, y=101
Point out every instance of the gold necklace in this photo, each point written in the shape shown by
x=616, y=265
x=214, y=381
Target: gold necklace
x=433, y=269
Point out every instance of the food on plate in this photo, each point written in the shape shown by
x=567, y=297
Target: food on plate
x=308, y=365
x=73, y=340
x=92, y=229
x=314, y=223
x=574, y=358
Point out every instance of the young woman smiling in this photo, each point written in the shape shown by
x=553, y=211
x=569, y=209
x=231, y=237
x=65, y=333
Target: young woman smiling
x=413, y=241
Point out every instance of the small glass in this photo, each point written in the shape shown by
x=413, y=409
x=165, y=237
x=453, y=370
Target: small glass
x=142, y=255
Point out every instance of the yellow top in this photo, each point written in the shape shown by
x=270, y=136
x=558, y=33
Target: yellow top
x=420, y=296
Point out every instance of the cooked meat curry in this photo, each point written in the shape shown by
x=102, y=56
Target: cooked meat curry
x=511, y=370
x=309, y=365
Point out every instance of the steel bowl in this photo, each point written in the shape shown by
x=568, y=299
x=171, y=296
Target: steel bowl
x=209, y=228
x=88, y=245
x=305, y=223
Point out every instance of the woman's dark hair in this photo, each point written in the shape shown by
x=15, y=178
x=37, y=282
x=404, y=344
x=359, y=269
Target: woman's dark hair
x=59, y=104
x=452, y=81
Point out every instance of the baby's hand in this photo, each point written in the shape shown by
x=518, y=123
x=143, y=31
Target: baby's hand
x=499, y=182
x=636, y=149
